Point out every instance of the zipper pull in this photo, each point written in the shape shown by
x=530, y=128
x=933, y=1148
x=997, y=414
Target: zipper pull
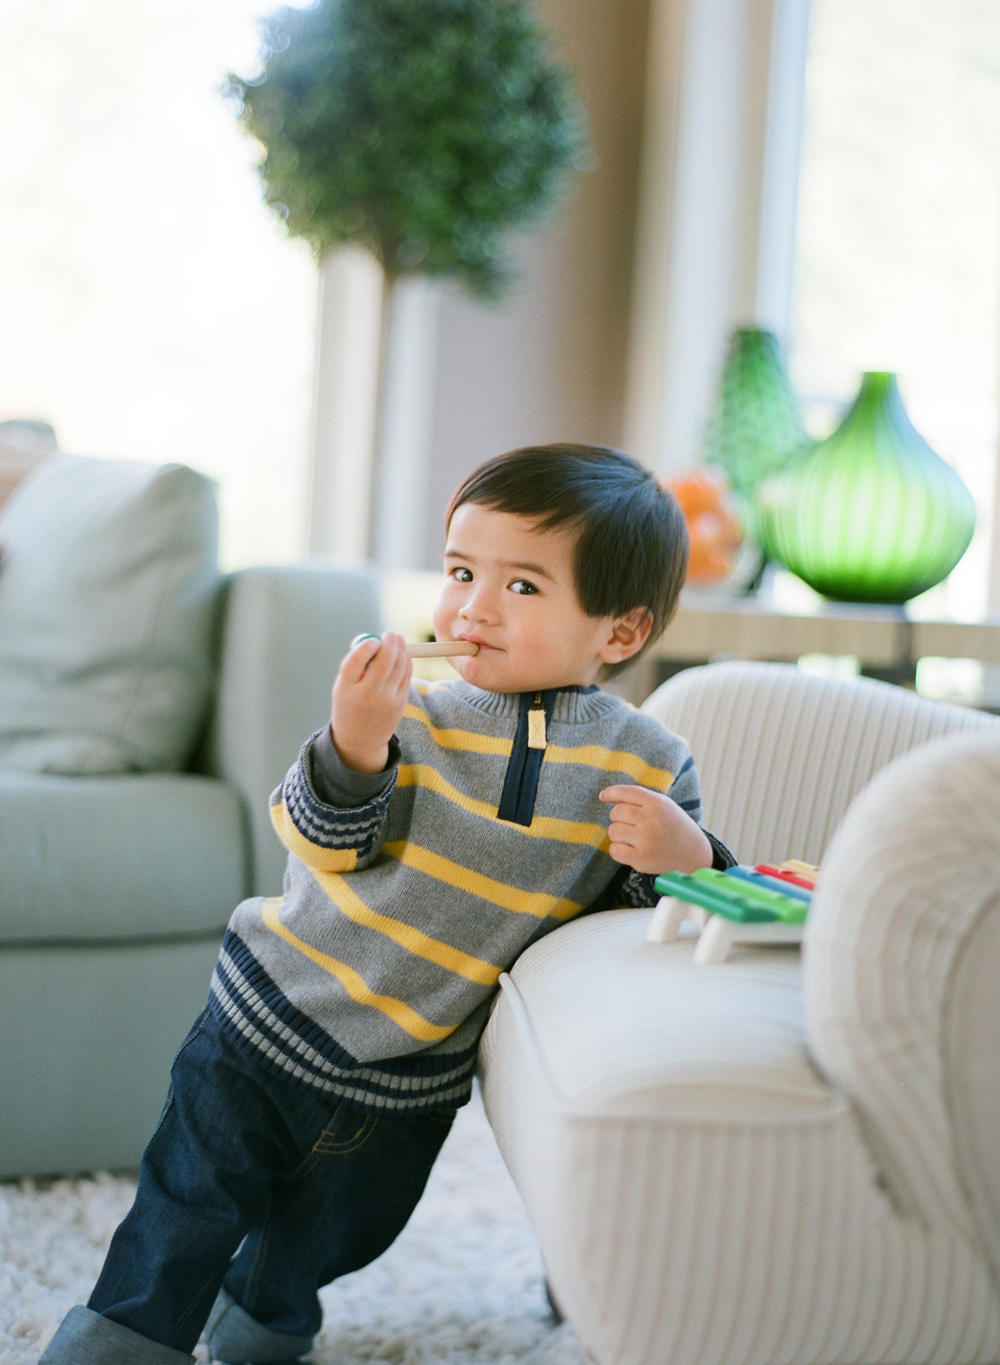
x=536, y=723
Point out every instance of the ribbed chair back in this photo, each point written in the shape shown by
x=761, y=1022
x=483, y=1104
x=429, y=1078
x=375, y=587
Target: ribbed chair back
x=782, y=754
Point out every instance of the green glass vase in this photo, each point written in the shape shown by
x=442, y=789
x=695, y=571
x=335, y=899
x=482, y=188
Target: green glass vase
x=756, y=428
x=871, y=514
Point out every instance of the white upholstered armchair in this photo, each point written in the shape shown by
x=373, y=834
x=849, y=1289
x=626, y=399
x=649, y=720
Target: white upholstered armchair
x=775, y=1161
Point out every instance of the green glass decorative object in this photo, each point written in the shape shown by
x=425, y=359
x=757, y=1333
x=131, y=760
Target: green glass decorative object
x=871, y=514
x=756, y=428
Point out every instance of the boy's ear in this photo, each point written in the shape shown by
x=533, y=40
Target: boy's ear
x=628, y=635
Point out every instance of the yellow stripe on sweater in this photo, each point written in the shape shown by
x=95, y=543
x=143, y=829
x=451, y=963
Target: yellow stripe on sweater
x=499, y=893
x=461, y=739
x=613, y=760
x=432, y=949
x=541, y=827
x=320, y=859
x=401, y=1014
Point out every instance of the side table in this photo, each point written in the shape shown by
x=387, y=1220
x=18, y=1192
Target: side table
x=886, y=641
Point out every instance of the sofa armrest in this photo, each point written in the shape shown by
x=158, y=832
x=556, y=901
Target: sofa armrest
x=902, y=955
x=285, y=630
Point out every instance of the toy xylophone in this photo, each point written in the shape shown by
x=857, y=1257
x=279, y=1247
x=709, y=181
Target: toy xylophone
x=761, y=904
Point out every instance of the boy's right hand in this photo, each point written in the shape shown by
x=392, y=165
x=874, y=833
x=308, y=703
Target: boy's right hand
x=369, y=698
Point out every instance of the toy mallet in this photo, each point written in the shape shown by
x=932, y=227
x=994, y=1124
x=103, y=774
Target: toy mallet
x=429, y=649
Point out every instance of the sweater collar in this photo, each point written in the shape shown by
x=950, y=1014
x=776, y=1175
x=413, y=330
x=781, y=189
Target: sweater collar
x=571, y=705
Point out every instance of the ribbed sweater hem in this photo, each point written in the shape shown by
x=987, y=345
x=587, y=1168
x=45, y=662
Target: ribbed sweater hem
x=264, y=1025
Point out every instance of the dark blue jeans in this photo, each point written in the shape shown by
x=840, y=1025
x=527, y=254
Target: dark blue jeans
x=310, y=1187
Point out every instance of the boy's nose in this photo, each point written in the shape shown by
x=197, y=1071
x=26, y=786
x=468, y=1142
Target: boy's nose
x=479, y=606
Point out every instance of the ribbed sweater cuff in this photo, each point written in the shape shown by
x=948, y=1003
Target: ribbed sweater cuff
x=721, y=856
x=337, y=785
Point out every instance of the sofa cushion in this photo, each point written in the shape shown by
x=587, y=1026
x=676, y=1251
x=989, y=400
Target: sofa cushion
x=108, y=585
x=629, y=1027
x=111, y=858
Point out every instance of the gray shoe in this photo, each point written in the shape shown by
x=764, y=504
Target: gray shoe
x=236, y=1338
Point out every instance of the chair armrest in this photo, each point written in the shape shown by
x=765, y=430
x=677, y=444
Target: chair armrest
x=285, y=630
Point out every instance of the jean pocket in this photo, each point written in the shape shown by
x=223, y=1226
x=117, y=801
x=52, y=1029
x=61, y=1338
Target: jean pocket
x=346, y=1131
x=440, y=1116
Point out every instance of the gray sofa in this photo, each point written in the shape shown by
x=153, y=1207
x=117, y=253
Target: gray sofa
x=115, y=886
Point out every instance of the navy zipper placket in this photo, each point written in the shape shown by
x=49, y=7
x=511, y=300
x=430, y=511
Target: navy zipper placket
x=520, y=787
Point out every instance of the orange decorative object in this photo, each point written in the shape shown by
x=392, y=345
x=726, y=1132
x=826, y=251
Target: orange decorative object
x=713, y=529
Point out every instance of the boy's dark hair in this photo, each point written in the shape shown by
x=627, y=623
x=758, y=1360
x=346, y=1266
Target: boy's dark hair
x=632, y=543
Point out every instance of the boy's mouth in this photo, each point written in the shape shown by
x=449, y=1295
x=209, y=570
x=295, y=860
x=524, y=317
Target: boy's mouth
x=474, y=639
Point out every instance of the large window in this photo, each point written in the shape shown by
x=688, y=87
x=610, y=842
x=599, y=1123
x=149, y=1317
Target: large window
x=152, y=306
x=899, y=232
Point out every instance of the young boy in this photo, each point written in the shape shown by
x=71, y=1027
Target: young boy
x=434, y=832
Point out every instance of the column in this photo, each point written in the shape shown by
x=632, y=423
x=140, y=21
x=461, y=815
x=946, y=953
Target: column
x=344, y=404
x=716, y=233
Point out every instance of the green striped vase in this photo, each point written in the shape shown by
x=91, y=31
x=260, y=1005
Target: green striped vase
x=755, y=428
x=871, y=514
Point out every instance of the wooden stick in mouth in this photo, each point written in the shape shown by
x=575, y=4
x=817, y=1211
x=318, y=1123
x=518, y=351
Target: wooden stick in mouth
x=440, y=649
x=430, y=649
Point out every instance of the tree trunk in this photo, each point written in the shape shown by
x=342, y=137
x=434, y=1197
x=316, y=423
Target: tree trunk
x=345, y=401
x=404, y=424
x=372, y=413
x=389, y=283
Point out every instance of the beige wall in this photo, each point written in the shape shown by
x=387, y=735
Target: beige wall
x=715, y=244
x=550, y=363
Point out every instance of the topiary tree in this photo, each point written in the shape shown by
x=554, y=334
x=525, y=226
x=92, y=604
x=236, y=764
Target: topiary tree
x=420, y=129
x=423, y=130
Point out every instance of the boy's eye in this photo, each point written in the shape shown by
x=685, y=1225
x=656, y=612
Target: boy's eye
x=523, y=586
x=462, y=575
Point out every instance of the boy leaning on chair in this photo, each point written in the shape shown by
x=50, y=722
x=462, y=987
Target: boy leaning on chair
x=434, y=831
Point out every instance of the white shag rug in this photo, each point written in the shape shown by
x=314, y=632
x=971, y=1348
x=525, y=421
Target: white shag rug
x=463, y=1285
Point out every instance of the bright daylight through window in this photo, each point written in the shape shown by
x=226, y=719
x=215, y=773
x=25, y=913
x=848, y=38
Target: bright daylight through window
x=154, y=308
x=899, y=234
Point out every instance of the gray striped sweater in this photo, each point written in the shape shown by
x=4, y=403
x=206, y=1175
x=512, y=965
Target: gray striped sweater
x=407, y=893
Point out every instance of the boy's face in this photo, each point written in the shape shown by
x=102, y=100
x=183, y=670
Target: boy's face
x=510, y=589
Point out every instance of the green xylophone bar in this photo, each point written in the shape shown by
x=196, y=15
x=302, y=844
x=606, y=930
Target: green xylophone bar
x=739, y=908
x=787, y=908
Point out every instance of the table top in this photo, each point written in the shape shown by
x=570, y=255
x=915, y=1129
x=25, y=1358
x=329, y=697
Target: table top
x=711, y=624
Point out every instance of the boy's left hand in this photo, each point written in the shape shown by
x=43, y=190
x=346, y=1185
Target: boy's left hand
x=651, y=833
